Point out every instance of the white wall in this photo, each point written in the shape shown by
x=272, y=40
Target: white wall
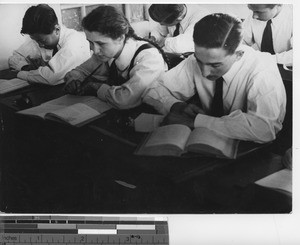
x=10, y=26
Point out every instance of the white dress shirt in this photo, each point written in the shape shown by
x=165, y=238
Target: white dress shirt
x=282, y=32
x=73, y=49
x=253, y=96
x=184, y=41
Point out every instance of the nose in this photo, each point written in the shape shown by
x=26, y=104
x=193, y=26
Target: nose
x=205, y=70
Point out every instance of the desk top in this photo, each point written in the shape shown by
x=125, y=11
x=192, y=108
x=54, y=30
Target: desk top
x=120, y=137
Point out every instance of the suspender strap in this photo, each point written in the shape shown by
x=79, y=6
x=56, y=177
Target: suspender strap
x=141, y=48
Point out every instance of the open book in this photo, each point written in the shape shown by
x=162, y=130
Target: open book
x=176, y=139
x=281, y=180
x=71, y=109
x=11, y=85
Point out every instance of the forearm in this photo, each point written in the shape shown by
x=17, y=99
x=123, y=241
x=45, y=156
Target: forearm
x=242, y=126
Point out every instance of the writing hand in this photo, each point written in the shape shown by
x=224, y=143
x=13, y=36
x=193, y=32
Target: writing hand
x=73, y=87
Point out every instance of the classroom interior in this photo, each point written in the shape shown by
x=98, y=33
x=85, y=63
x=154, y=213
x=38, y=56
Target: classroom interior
x=48, y=167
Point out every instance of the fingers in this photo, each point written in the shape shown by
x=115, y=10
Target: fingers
x=73, y=87
x=192, y=110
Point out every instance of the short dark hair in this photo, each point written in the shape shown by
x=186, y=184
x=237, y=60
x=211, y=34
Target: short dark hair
x=218, y=31
x=166, y=13
x=40, y=19
x=270, y=6
x=108, y=21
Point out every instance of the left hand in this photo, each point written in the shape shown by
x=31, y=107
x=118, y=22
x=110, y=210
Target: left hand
x=90, y=88
x=176, y=118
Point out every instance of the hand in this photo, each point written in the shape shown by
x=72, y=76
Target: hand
x=90, y=88
x=175, y=118
x=35, y=63
x=190, y=110
x=73, y=87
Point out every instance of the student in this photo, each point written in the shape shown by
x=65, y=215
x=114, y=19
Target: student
x=277, y=20
x=52, y=49
x=123, y=68
x=177, y=22
x=252, y=101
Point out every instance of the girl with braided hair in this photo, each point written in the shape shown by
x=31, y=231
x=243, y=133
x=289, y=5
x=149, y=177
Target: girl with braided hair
x=123, y=65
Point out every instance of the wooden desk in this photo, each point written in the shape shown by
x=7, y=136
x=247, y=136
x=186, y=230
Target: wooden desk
x=105, y=148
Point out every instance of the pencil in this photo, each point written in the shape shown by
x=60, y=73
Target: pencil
x=86, y=80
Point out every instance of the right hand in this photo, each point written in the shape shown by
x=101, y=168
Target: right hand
x=190, y=110
x=73, y=87
x=73, y=82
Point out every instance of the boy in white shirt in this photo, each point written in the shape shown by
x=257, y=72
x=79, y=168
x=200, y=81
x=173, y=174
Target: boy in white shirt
x=175, y=32
x=51, y=51
x=280, y=19
x=251, y=95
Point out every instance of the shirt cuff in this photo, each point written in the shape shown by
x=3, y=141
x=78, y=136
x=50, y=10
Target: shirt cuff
x=23, y=75
x=102, y=91
x=170, y=102
x=202, y=120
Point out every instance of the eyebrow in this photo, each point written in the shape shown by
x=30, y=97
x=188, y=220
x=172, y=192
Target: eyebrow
x=216, y=63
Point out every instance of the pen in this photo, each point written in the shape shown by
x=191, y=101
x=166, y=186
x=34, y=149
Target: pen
x=150, y=35
x=86, y=80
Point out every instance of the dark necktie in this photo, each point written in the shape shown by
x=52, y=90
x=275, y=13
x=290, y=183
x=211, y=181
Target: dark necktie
x=114, y=78
x=54, y=51
x=267, y=40
x=176, y=32
x=217, y=103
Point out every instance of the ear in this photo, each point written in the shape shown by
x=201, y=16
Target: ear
x=239, y=54
x=121, y=39
x=57, y=29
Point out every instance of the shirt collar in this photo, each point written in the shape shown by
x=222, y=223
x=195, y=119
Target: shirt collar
x=124, y=59
x=62, y=36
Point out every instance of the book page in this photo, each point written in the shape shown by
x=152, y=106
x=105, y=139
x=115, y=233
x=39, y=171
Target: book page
x=11, y=85
x=74, y=114
x=41, y=110
x=169, y=135
x=98, y=105
x=281, y=180
x=146, y=122
x=68, y=99
x=204, y=140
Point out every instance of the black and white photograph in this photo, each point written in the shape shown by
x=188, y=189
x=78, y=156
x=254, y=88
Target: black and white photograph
x=146, y=108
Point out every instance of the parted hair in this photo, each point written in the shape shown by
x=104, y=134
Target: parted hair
x=218, y=31
x=40, y=19
x=110, y=22
x=167, y=13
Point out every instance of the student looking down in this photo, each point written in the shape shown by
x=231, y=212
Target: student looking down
x=270, y=29
x=239, y=90
x=52, y=49
x=124, y=64
x=175, y=32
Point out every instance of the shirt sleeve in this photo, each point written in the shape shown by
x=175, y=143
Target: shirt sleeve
x=68, y=57
x=18, y=59
x=263, y=117
x=181, y=43
x=285, y=57
x=169, y=88
x=149, y=64
x=248, y=38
